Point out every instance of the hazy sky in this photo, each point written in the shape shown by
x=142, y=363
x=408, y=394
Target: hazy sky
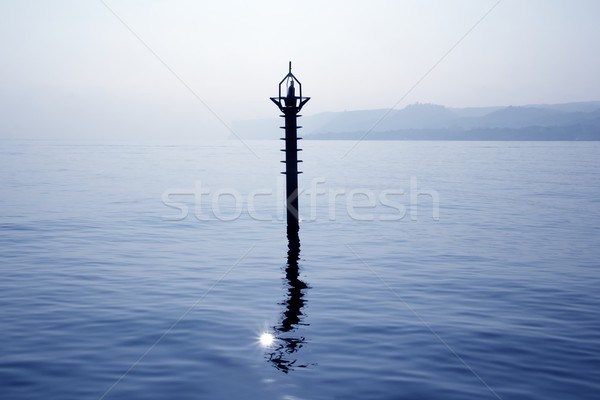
x=71, y=69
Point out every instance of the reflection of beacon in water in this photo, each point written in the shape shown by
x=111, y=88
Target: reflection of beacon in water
x=288, y=342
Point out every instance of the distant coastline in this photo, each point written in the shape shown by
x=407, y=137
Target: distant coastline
x=554, y=122
x=533, y=133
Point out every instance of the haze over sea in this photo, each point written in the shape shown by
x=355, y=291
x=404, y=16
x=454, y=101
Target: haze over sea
x=434, y=270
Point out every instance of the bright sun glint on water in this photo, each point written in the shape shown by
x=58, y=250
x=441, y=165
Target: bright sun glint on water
x=266, y=339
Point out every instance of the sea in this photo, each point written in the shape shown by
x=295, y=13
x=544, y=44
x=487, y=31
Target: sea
x=425, y=270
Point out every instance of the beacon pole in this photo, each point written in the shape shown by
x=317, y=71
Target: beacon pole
x=290, y=105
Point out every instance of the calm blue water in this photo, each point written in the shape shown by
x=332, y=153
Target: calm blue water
x=478, y=279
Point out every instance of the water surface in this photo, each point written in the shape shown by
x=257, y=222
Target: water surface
x=490, y=292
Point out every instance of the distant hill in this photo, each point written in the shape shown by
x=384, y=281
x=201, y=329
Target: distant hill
x=570, y=121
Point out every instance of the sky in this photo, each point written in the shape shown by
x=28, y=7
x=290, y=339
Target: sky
x=141, y=70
